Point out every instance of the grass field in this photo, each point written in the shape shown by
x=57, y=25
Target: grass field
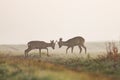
x=57, y=67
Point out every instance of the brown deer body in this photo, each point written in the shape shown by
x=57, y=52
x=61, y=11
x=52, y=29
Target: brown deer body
x=39, y=45
x=76, y=41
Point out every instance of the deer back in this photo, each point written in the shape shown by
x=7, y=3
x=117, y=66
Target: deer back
x=76, y=41
x=37, y=44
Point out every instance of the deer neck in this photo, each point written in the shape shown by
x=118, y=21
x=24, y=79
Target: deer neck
x=64, y=43
x=48, y=44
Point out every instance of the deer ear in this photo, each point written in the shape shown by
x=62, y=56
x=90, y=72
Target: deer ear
x=56, y=41
x=53, y=40
x=60, y=39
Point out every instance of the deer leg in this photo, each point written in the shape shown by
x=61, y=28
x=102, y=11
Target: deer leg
x=80, y=49
x=26, y=51
x=67, y=49
x=40, y=52
x=72, y=49
x=84, y=48
x=47, y=52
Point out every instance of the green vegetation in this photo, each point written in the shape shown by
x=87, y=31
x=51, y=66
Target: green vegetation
x=76, y=68
x=102, y=65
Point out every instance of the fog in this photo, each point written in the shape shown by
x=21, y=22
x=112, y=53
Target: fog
x=25, y=20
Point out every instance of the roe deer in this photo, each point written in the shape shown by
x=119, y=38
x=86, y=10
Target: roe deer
x=39, y=45
x=76, y=41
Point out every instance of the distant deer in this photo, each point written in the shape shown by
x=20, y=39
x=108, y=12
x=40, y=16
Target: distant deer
x=39, y=45
x=76, y=41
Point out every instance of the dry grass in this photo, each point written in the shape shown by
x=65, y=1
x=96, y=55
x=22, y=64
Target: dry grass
x=21, y=68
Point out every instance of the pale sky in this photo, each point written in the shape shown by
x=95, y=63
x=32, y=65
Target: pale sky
x=25, y=20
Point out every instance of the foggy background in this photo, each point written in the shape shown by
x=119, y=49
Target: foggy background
x=25, y=20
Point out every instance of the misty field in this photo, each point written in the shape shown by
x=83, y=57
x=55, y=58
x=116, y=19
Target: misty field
x=95, y=65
